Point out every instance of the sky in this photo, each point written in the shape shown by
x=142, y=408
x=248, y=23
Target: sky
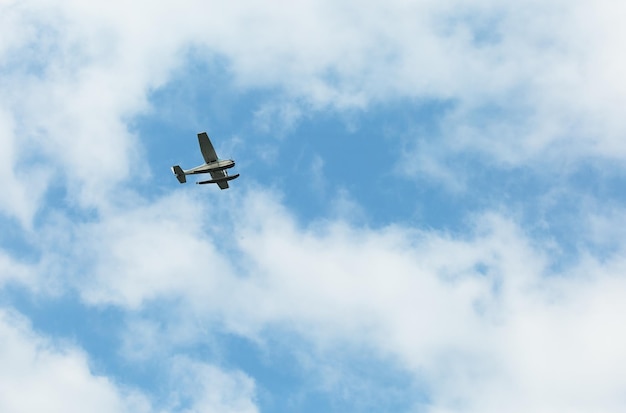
x=429, y=219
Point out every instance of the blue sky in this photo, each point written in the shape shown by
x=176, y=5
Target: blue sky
x=429, y=216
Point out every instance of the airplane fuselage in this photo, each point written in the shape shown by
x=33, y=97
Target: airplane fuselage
x=218, y=165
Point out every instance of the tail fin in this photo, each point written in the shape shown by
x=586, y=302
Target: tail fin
x=180, y=175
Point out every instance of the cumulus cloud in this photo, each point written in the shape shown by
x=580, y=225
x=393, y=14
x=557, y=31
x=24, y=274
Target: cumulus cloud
x=524, y=80
x=483, y=319
x=22, y=192
x=13, y=271
x=207, y=389
x=39, y=375
x=151, y=251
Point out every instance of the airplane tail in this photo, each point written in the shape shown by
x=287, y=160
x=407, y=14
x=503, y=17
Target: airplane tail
x=180, y=175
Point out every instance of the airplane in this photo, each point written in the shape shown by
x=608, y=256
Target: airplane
x=216, y=167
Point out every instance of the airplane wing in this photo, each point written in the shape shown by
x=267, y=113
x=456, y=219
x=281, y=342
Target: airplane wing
x=206, y=147
x=218, y=175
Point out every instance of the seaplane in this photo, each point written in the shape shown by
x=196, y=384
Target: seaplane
x=213, y=165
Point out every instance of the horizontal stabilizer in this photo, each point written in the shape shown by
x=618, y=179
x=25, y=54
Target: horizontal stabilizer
x=217, y=181
x=180, y=175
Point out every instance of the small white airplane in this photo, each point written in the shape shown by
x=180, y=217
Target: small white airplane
x=216, y=167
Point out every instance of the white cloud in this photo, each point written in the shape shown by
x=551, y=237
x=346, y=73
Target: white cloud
x=22, y=188
x=14, y=271
x=147, y=252
x=343, y=206
x=39, y=375
x=482, y=319
x=527, y=80
x=550, y=71
x=206, y=389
